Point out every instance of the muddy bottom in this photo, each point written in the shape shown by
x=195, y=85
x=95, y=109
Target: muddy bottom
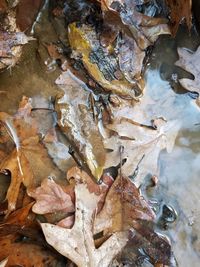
x=35, y=75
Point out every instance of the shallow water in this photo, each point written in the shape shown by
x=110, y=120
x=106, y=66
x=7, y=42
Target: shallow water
x=179, y=170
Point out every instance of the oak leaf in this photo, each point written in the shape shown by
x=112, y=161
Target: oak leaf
x=77, y=243
x=141, y=144
x=189, y=61
x=50, y=197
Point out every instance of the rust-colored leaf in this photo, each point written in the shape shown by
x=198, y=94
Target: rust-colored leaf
x=180, y=10
x=26, y=13
x=123, y=207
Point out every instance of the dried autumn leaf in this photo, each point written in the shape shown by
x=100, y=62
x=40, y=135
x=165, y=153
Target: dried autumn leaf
x=50, y=197
x=180, y=10
x=123, y=207
x=77, y=123
x=189, y=61
x=77, y=243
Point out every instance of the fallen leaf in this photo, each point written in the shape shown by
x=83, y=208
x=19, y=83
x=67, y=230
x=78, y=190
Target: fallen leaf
x=21, y=172
x=26, y=13
x=77, y=243
x=130, y=58
x=189, y=61
x=11, y=47
x=144, y=29
x=141, y=145
x=124, y=206
x=3, y=6
x=84, y=41
x=180, y=10
x=76, y=122
x=101, y=189
x=28, y=160
x=50, y=197
x=156, y=246
x=27, y=254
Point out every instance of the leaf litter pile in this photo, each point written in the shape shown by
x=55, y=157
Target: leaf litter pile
x=75, y=168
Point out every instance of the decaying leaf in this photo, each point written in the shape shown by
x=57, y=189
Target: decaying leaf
x=157, y=247
x=50, y=197
x=123, y=207
x=11, y=42
x=21, y=172
x=26, y=13
x=101, y=65
x=76, y=121
x=130, y=58
x=189, y=61
x=28, y=160
x=180, y=10
x=77, y=243
x=26, y=254
x=145, y=29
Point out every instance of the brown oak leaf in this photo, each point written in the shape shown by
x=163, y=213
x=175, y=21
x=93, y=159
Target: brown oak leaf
x=124, y=206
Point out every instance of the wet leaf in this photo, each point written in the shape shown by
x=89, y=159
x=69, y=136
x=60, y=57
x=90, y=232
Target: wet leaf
x=144, y=29
x=77, y=243
x=146, y=245
x=28, y=160
x=26, y=254
x=27, y=12
x=77, y=123
x=123, y=207
x=79, y=176
x=50, y=197
x=180, y=10
x=103, y=67
x=141, y=144
x=188, y=61
x=21, y=172
x=130, y=58
x=11, y=47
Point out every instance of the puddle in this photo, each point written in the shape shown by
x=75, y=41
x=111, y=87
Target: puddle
x=179, y=170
